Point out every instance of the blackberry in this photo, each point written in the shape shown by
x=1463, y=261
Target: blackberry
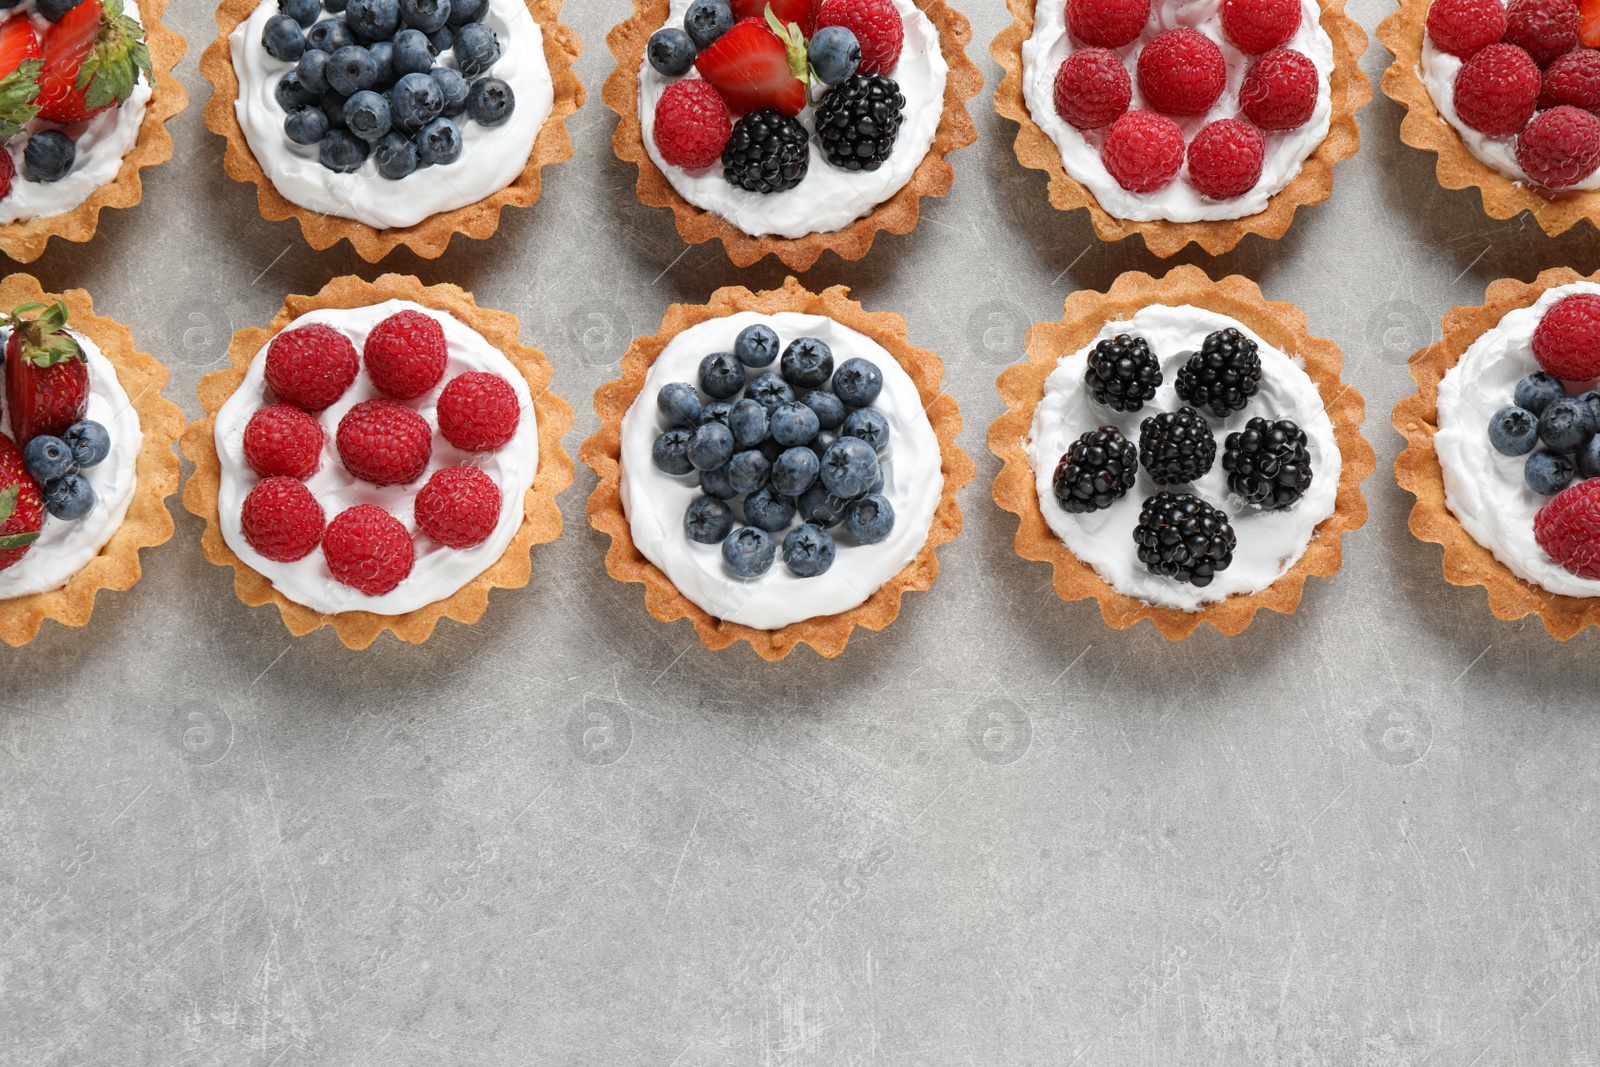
x=1223, y=375
x=767, y=153
x=1096, y=470
x=1177, y=447
x=1181, y=536
x=1123, y=373
x=1268, y=463
x=858, y=121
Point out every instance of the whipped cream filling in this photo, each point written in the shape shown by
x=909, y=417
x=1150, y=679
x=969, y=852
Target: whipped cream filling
x=438, y=571
x=655, y=502
x=1269, y=542
x=64, y=548
x=1286, y=151
x=1482, y=488
x=829, y=198
x=491, y=158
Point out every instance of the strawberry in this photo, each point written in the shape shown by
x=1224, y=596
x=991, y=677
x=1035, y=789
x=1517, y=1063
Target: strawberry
x=92, y=60
x=47, y=376
x=19, y=75
x=21, y=505
x=753, y=68
x=1589, y=23
x=800, y=12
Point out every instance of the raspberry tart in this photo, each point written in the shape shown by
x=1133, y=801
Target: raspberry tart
x=777, y=467
x=1181, y=450
x=791, y=127
x=1186, y=123
x=1503, y=450
x=379, y=458
x=86, y=460
x=392, y=122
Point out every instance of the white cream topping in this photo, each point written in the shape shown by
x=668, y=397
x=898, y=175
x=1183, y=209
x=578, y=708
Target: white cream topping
x=655, y=502
x=1269, y=542
x=1050, y=45
x=1484, y=489
x=491, y=158
x=64, y=548
x=438, y=571
x=829, y=198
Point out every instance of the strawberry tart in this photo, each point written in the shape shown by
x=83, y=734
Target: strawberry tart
x=379, y=463
x=791, y=126
x=1185, y=122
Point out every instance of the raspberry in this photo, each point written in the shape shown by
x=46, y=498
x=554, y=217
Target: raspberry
x=281, y=519
x=1254, y=26
x=1572, y=79
x=368, y=549
x=311, y=366
x=692, y=124
x=1567, y=340
x=1560, y=147
x=8, y=171
x=1568, y=528
x=1107, y=23
x=384, y=443
x=1279, y=91
x=1496, y=89
x=1092, y=88
x=1181, y=72
x=478, y=412
x=280, y=439
x=1225, y=159
x=1143, y=151
x=877, y=26
x=1461, y=27
x=459, y=507
x=1543, y=28
x=405, y=354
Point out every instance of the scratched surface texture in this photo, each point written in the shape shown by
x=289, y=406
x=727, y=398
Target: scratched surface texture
x=997, y=833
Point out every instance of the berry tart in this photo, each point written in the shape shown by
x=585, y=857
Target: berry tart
x=1507, y=95
x=86, y=88
x=790, y=127
x=1503, y=450
x=1181, y=450
x=86, y=460
x=777, y=467
x=1197, y=122
x=378, y=458
x=392, y=122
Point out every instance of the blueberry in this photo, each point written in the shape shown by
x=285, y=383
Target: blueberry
x=351, y=70
x=283, y=38
x=312, y=70
x=716, y=411
x=748, y=471
x=721, y=376
x=770, y=391
x=291, y=92
x=756, y=346
x=395, y=155
x=415, y=101
x=1537, y=390
x=708, y=520
x=716, y=483
x=808, y=550
x=69, y=497
x=453, y=87
x=795, y=471
x=442, y=39
x=1588, y=458
x=329, y=36
x=710, y=446
x=342, y=151
x=1566, y=424
x=1592, y=398
x=304, y=12
x=335, y=7
x=821, y=507
x=305, y=125
x=490, y=102
x=476, y=49
x=373, y=20
x=748, y=552
x=439, y=141
x=849, y=467
x=679, y=404
x=706, y=20
x=858, y=381
x=671, y=452
x=332, y=105
x=869, y=519
x=793, y=424
x=871, y=426
x=877, y=483
x=771, y=449
x=412, y=53
x=47, y=458
x=49, y=155
x=366, y=115
x=1547, y=472
x=671, y=51
x=824, y=441
x=465, y=11
x=748, y=421
x=55, y=10
x=829, y=408
x=425, y=15
x=382, y=53
x=89, y=441
x=807, y=363
x=835, y=54
x=769, y=509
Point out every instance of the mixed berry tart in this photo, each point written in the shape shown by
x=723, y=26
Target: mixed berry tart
x=1181, y=450
x=86, y=460
x=392, y=122
x=1196, y=122
x=777, y=467
x=379, y=458
x=1504, y=448
x=790, y=127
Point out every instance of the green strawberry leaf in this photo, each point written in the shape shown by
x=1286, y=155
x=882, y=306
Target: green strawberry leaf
x=44, y=340
x=8, y=502
x=794, y=46
x=22, y=540
x=18, y=91
x=114, y=63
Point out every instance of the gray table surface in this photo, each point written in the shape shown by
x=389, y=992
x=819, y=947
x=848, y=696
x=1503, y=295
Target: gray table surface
x=996, y=833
